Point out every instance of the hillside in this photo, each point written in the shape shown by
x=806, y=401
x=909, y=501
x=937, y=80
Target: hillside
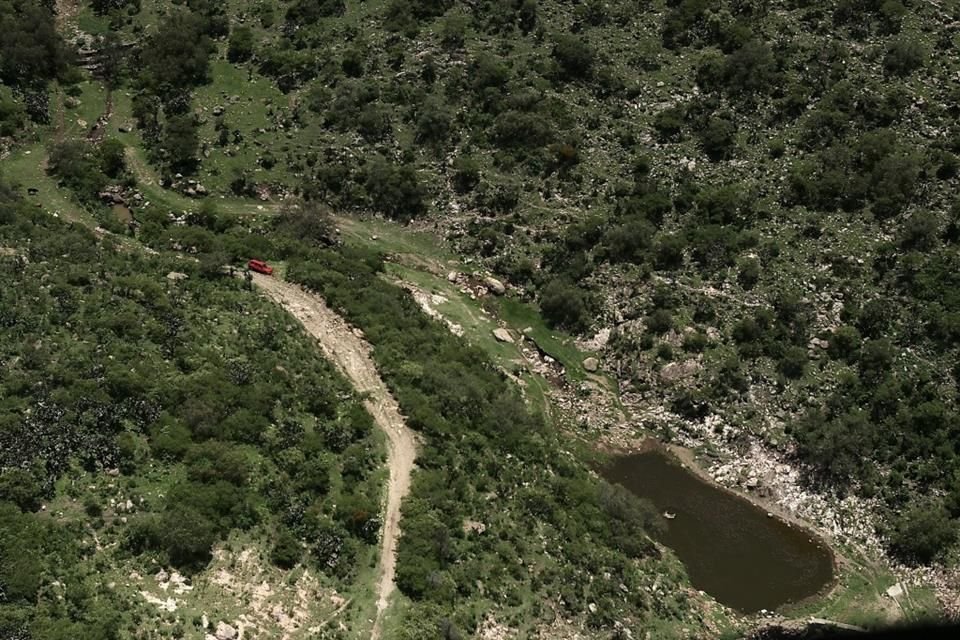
x=746, y=212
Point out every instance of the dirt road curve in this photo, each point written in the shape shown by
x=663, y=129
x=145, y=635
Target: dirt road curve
x=352, y=355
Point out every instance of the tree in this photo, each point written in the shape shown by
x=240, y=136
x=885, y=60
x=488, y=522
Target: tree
x=749, y=273
x=433, y=123
x=181, y=142
x=844, y=344
x=669, y=252
x=876, y=357
x=466, y=173
x=750, y=69
x=179, y=55
x=660, y=321
x=31, y=51
x=22, y=488
x=394, y=189
x=104, y=7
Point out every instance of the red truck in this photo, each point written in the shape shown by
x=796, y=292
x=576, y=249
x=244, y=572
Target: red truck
x=260, y=267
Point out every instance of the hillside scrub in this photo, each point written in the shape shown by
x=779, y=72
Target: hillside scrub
x=193, y=383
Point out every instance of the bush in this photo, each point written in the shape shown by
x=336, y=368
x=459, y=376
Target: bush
x=794, y=362
x=565, y=305
x=466, y=174
x=574, y=57
x=240, y=48
x=669, y=123
x=903, y=57
x=845, y=344
x=395, y=190
x=660, y=321
x=718, y=138
x=922, y=533
x=749, y=273
x=286, y=551
x=919, y=231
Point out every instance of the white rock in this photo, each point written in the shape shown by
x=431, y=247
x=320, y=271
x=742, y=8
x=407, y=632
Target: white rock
x=225, y=631
x=495, y=285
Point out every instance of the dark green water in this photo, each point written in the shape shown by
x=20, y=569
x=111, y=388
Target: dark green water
x=731, y=549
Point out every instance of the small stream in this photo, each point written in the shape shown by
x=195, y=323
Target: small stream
x=731, y=548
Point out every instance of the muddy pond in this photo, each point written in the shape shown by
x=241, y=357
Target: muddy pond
x=731, y=548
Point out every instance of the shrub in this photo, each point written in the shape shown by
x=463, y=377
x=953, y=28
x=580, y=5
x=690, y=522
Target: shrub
x=718, y=138
x=240, y=48
x=794, y=362
x=286, y=551
x=574, y=57
x=660, y=321
x=903, y=57
x=564, y=305
x=845, y=344
x=922, y=533
x=394, y=190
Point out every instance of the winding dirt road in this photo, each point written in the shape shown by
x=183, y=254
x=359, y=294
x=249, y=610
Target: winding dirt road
x=351, y=355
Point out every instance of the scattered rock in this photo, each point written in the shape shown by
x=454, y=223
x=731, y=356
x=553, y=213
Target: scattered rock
x=495, y=285
x=591, y=364
x=502, y=335
x=679, y=370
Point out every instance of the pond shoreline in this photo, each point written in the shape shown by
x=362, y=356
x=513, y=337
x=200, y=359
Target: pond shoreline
x=687, y=459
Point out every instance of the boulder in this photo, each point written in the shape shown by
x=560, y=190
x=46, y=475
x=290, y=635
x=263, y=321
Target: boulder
x=591, y=364
x=495, y=285
x=502, y=335
x=452, y=276
x=225, y=631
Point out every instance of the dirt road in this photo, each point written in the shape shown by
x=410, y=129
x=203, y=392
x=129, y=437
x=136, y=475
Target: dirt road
x=351, y=355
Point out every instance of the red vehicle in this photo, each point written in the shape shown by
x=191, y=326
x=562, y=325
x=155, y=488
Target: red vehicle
x=260, y=267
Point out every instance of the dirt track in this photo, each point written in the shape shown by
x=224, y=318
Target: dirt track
x=351, y=355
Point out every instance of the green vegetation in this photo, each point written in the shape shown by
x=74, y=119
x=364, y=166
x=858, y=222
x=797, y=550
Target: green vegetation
x=760, y=203
x=187, y=379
